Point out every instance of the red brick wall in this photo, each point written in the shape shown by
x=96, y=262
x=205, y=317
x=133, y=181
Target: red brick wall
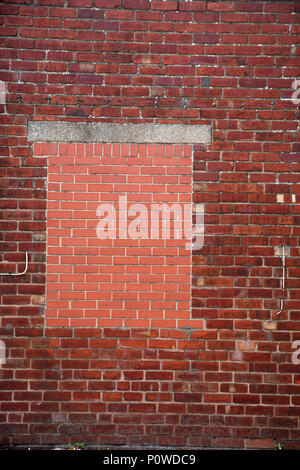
x=102, y=268
x=229, y=380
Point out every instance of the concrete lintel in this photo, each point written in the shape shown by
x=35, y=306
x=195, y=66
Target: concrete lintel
x=49, y=131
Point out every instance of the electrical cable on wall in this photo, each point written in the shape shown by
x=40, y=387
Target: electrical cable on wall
x=18, y=274
x=283, y=282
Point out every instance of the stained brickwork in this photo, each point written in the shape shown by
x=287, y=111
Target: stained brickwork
x=228, y=379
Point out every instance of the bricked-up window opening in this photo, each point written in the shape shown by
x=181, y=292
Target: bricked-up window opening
x=118, y=280
x=105, y=265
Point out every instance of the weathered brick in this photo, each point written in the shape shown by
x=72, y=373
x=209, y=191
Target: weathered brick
x=121, y=339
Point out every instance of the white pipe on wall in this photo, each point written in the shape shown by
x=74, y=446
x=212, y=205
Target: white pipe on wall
x=18, y=274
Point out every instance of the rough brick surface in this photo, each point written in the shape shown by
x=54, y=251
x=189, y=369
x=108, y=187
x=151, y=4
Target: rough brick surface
x=228, y=380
